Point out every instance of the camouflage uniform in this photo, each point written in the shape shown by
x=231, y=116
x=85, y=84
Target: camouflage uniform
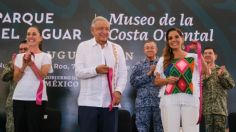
x=215, y=99
x=7, y=76
x=147, y=101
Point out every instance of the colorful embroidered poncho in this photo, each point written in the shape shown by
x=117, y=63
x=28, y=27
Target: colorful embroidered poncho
x=182, y=68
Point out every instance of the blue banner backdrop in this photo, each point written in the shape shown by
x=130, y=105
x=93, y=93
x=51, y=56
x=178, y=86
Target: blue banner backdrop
x=66, y=23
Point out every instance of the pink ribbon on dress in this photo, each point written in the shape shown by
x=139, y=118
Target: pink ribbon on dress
x=109, y=78
x=199, y=59
x=39, y=93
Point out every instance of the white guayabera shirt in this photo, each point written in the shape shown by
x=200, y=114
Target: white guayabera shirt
x=94, y=90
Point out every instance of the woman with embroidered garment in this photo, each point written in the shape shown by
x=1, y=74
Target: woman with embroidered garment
x=178, y=75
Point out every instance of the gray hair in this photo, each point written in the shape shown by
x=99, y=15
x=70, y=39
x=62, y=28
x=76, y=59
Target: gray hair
x=99, y=18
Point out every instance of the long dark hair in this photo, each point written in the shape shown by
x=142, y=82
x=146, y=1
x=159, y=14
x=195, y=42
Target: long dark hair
x=167, y=52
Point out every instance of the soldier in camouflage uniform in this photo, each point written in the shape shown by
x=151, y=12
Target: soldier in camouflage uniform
x=147, y=101
x=215, y=86
x=7, y=76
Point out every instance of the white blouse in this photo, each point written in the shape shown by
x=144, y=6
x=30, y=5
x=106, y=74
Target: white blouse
x=27, y=86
